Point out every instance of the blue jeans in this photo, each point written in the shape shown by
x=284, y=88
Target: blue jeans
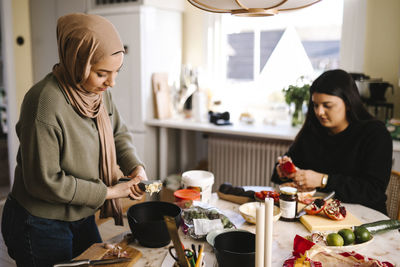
x=34, y=241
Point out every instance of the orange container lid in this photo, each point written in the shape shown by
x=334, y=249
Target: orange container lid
x=187, y=194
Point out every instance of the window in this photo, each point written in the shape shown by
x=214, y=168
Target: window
x=252, y=59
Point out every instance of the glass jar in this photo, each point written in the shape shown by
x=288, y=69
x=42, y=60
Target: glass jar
x=288, y=203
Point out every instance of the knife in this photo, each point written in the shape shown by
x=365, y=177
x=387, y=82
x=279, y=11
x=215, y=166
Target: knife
x=302, y=211
x=90, y=262
x=152, y=186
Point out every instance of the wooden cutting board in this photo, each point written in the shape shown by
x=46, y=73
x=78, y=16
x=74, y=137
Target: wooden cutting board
x=321, y=222
x=234, y=199
x=97, y=252
x=161, y=96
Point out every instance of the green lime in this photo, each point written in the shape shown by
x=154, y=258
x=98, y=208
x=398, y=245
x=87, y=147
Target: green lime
x=348, y=236
x=334, y=239
x=362, y=234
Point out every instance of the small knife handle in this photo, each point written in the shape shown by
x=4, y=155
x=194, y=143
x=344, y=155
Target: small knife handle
x=72, y=263
x=141, y=185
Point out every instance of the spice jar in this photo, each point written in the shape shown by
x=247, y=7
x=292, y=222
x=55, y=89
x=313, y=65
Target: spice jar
x=288, y=203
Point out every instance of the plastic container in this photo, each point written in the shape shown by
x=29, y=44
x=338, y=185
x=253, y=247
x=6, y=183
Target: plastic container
x=201, y=181
x=186, y=195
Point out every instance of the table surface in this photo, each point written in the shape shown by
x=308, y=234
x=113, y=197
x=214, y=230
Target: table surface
x=384, y=247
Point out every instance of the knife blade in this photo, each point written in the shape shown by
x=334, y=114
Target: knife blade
x=303, y=211
x=90, y=262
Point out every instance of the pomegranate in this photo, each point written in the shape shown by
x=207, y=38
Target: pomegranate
x=316, y=207
x=335, y=211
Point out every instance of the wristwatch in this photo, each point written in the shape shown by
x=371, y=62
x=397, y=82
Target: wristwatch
x=324, y=180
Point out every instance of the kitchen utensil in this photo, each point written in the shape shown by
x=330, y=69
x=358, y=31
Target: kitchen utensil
x=322, y=223
x=235, y=249
x=90, y=262
x=173, y=233
x=303, y=212
x=161, y=96
x=98, y=251
x=149, y=186
x=146, y=221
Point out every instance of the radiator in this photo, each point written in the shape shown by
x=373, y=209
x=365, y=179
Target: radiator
x=243, y=162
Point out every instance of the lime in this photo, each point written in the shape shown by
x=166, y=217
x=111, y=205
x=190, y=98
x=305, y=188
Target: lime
x=334, y=239
x=362, y=234
x=348, y=236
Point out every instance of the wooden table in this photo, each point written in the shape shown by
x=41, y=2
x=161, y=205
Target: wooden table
x=385, y=246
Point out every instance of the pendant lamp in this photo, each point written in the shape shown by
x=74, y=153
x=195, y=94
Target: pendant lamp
x=251, y=8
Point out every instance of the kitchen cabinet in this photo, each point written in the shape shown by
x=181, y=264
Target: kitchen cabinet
x=152, y=37
x=152, y=34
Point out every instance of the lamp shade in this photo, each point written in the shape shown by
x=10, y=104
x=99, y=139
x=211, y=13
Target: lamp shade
x=249, y=8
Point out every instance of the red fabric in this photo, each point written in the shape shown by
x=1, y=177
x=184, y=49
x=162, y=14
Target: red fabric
x=301, y=245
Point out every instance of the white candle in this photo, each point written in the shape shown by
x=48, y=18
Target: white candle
x=260, y=225
x=269, y=215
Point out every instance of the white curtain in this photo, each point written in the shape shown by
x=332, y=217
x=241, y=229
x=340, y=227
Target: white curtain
x=352, y=45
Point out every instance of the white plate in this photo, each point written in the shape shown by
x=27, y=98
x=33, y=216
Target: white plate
x=248, y=211
x=351, y=247
x=212, y=235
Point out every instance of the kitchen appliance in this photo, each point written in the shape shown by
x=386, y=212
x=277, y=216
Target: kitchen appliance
x=362, y=81
x=377, y=90
x=146, y=221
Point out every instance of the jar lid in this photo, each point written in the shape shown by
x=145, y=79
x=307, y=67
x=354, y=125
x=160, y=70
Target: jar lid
x=288, y=190
x=187, y=194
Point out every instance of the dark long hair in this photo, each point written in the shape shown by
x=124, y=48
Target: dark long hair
x=337, y=83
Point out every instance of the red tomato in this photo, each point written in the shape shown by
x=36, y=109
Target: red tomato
x=288, y=167
x=335, y=211
x=316, y=207
x=264, y=194
x=259, y=195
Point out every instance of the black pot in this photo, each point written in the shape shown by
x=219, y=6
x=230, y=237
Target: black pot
x=235, y=249
x=377, y=90
x=146, y=221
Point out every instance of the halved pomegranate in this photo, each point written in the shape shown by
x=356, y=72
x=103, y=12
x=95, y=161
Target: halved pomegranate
x=288, y=167
x=316, y=207
x=335, y=211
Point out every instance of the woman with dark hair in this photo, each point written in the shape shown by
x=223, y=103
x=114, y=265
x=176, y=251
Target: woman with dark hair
x=341, y=147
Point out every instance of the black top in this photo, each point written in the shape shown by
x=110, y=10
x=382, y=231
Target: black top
x=358, y=161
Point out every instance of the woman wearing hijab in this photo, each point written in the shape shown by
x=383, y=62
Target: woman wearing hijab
x=341, y=147
x=74, y=147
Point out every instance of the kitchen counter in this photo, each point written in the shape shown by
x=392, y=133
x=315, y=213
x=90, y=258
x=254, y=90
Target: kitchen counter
x=385, y=246
x=279, y=131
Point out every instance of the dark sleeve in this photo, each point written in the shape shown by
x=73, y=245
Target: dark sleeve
x=368, y=185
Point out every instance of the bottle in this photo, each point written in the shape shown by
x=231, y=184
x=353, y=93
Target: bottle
x=288, y=203
x=199, y=106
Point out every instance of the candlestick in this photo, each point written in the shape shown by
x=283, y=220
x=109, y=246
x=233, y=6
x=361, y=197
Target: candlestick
x=260, y=225
x=269, y=215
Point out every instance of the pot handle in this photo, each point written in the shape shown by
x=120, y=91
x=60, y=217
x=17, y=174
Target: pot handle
x=391, y=85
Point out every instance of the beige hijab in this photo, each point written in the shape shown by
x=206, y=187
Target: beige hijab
x=84, y=40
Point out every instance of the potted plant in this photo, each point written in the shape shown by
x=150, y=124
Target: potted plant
x=297, y=94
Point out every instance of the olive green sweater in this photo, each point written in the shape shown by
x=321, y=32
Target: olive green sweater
x=57, y=172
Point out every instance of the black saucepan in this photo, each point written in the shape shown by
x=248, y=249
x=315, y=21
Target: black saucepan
x=146, y=221
x=235, y=249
